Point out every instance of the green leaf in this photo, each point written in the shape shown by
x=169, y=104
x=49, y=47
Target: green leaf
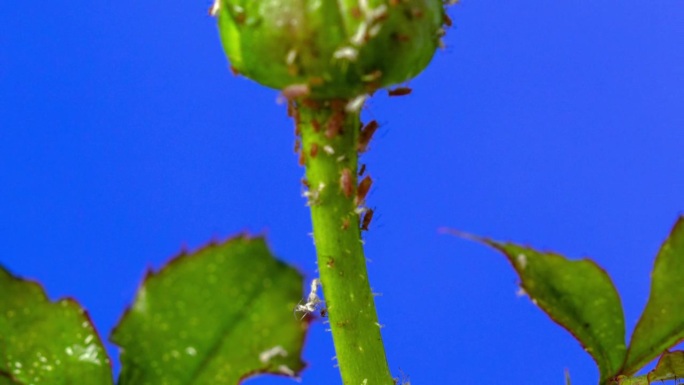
x=214, y=317
x=670, y=367
x=578, y=295
x=662, y=324
x=43, y=342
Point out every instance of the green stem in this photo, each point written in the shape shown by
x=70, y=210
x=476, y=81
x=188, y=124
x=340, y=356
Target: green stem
x=329, y=151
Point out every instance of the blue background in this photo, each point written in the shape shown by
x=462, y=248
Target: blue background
x=124, y=137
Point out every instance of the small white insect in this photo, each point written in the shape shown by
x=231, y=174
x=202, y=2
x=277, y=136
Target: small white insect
x=360, y=36
x=522, y=261
x=285, y=370
x=295, y=91
x=328, y=149
x=291, y=57
x=312, y=301
x=346, y=53
x=313, y=195
x=268, y=355
x=213, y=11
x=355, y=104
x=520, y=292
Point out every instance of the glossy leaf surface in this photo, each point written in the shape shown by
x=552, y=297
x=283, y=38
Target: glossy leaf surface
x=43, y=342
x=213, y=317
x=661, y=325
x=578, y=295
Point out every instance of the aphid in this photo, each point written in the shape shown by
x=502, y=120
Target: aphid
x=346, y=183
x=315, y=125
x=312, y=104
x=360, y=36
x=286, y=370
x=400, y=37
x=399, y=91
x=334, y=125
x=316, y=81
x=355, y=12
x=306, y=183
x=372, y=76
x=295, y=91
x=291, y=57
x=328, y=149
x=234, y=71
x=366, y=134
x=362, y=190
x=297, y=146
x=362, y=169
x=313, y=195
x=374, y=30
x=214, y=9
x=330, y=263
x=312, y=301
x=302, y=158
x=447, y=20
x=367, y=217
x=324, y=312
x=345, y=225
x=346, y=53
x=269, y=354
x=355, y=104
x=313, y=151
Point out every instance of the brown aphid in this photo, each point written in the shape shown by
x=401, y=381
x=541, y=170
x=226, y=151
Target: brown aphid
x=316, y=81
x=313, y=151
x=366, y=135
x=302, y=158
x=297, y=121
x=295, y=91
x=315, y=125
x=362, y=169
x=367, y=217
x=297, y=145
x=345, y=223
x=400, y=37
x=306, y=183
x=234, y=71
x=363, y=189
x=334, y=124
x=312, y=104
x=330, y=263
x=447, y=20
x=324, y=312
x=346, y=183
x=355, y=12
x=399, y=91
